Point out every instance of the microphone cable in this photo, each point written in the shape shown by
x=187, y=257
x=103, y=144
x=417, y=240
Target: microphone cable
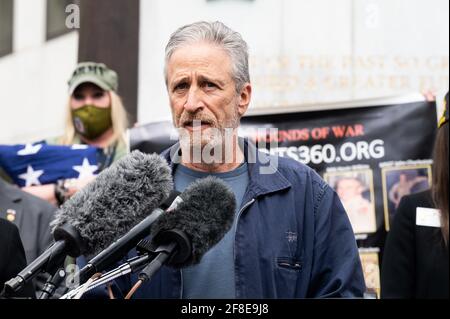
x=86, y=285
x=110, y=292
x=134, y=289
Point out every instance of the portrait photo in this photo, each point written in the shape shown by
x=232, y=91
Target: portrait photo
x=400, y=181
x=371, y=269
x=355, y=190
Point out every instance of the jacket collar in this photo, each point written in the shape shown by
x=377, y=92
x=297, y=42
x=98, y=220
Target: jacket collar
x=258, y=163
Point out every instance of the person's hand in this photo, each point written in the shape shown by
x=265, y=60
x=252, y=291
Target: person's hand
x=429, y=95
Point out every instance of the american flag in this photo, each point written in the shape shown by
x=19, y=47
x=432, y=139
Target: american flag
x=41, y=163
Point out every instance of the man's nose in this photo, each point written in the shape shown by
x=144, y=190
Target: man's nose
x=193, y=101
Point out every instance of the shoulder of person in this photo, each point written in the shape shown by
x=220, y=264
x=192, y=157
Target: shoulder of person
x=42, y=205
x=420, y=199
x=407, y=207
x=33, y=203
x=292, y=169
x=301, y=177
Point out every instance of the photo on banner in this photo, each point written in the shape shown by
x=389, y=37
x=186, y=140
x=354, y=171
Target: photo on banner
x=371, y=270
x=356, y=192
x=400, y=181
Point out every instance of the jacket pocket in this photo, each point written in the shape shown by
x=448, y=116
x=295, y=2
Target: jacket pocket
x=289, y=263
x=286, y=275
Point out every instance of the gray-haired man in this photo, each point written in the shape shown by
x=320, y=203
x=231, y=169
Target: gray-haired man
x=291, y=237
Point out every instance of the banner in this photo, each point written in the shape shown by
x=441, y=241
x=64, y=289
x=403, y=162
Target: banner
x=371, y=156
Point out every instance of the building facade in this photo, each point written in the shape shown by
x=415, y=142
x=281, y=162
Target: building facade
x=302, y=52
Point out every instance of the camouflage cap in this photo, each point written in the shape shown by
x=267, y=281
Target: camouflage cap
x=96, y=73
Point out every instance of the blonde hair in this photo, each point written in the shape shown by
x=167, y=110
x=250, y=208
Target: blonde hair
x=118, y=117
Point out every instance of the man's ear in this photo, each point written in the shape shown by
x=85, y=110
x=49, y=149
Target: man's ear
x=245, y=97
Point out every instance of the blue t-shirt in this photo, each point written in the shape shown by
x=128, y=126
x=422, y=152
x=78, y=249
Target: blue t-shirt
x=213, y=277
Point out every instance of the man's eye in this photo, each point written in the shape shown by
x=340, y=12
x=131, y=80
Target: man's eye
x=78, y=96
x=210, y=85
x=180, y=86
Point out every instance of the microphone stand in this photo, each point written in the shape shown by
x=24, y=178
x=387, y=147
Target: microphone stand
x=174, y=247
x=164, y=252
x=15, y=284
x=52, y=283
x=132, y=265
x=67, y=242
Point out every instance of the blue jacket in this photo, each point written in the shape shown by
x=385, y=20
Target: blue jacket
x=293, y=238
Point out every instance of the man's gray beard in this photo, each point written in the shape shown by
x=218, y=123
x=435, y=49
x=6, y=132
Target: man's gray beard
x=200, y=139
x=197, y=144
x=217, y=146
x=210, y=147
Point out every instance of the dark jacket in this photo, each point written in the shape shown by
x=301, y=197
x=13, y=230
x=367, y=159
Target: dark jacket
x=32, y=216
x=12, y=257
x=415, y=261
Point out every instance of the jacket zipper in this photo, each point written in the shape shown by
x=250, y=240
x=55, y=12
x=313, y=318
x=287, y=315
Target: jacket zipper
x=237, y=221
x=235, y=230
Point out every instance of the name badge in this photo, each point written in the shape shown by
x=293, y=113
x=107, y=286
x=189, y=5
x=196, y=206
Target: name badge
x=429, y=217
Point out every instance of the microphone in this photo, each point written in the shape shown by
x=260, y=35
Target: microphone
x=181, y=235
x=199, y=222
x=104, y=210
x=116, y=250
x=124, y=244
